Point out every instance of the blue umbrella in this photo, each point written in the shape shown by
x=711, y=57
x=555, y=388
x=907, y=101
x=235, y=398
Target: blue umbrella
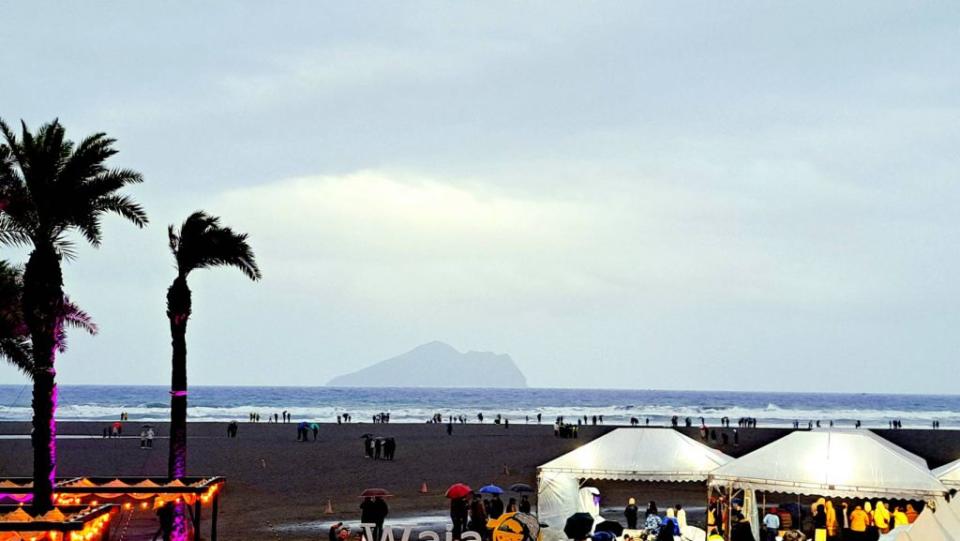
x=490, y=489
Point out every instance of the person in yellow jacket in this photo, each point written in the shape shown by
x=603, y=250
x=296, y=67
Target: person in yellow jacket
x=900, y=517
x=881, y=518
x=859, y=520
x=833, y=527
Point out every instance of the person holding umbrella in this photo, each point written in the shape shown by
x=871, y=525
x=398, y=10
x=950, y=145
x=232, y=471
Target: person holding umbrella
x=458, y=494
x=381, y=510
x=524, y=504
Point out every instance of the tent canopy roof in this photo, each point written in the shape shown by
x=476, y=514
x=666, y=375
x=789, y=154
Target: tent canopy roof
x=640, y=454
x=834, y=463
x=949, y=474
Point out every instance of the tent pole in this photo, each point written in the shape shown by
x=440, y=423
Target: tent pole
x=213, y=517
x=197, y=510
x=728, y=522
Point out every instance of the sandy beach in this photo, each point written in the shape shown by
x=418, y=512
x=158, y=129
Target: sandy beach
x=278, y=487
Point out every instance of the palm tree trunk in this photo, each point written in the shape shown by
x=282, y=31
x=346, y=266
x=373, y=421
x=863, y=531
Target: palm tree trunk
x=43, y=312
x=178, y=312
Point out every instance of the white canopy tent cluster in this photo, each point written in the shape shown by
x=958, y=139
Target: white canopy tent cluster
x=829, y=463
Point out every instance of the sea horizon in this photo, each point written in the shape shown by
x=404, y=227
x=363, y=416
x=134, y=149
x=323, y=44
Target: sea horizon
x=418, y=404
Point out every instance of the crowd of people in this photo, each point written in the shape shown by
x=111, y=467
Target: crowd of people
x=831, y=520
x=848, y=520
x=654, y=526
x=379, y=448
x=471, y=513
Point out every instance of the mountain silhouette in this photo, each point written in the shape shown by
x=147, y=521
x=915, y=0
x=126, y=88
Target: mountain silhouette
x=437, y=364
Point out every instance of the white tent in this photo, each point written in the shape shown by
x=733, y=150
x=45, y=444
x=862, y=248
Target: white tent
x=936, y=525
x=949, y=474
x=832, y=463
x=627, y=454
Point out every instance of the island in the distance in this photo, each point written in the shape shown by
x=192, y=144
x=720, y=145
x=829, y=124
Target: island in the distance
x=437, y=365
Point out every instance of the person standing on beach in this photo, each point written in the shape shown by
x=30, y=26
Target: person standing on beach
x=367, y=513
x=681, y=517
x=389, y=448
x=524, y=504
x=496, y=507
x=381, y=510
x=458, y=515
x=478, y=517
x=631, y=512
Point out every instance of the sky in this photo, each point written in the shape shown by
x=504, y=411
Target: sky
x=667, y=195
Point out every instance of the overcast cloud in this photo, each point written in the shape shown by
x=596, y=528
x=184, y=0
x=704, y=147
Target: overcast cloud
x=674, y=195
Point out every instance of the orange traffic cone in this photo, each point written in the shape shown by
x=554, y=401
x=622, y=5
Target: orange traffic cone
x=423, y=488
x=329, y=508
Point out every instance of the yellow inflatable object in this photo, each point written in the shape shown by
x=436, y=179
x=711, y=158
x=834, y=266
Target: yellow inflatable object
x=515, y=527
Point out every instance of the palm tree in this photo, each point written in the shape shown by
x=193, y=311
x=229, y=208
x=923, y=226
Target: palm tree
x=200, y=243
x=50, y=187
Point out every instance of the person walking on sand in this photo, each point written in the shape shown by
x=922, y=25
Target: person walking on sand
x=150, y=435
x=631, y=512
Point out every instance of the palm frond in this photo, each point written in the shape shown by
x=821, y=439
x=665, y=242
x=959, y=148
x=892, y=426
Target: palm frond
x=76, y=318
x=17, y=352
x=203, y=243
x=60, y=187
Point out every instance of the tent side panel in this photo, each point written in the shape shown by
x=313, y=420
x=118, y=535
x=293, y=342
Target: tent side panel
x=557, y=499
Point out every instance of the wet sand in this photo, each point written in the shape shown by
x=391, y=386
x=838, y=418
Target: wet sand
x=278, y=487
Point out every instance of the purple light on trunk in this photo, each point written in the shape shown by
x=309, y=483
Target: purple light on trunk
x=53, y=431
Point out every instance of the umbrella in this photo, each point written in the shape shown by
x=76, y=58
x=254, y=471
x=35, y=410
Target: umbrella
x=457, y=491
x=314, y=425
x=517, y=527
x=490, y=489
x=375, y=493
x=520, y=487
x=611, y=526
x=368, y=435
x=602, y=536
x=578, y=526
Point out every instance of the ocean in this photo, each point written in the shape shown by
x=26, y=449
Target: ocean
x=409, y=405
